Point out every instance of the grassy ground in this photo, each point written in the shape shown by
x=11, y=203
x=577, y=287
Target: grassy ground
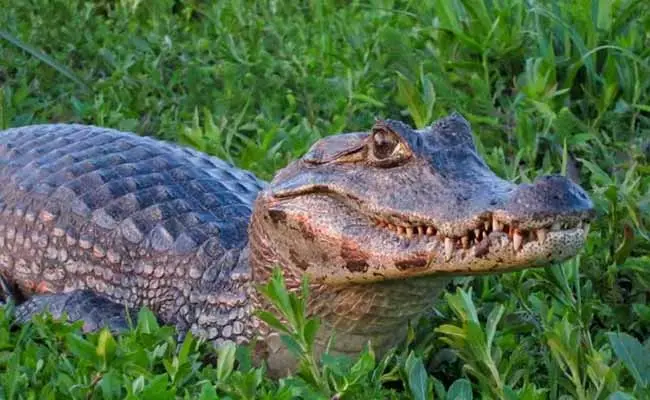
x=548, y=87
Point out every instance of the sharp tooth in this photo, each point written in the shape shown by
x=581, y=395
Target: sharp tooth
x=541, y=235
x=430, y=231
x=420, y=230
x=556, y=226
x=477, y=233
x=486, y=224
x=496, y=225
x=579, y=224
x=517, y=240
x=400, y=230
x=586, y=227
x=409, y=232
x=465, y=242
x=449, y=248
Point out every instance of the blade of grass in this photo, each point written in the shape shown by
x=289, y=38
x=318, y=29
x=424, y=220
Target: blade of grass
x=62, y=69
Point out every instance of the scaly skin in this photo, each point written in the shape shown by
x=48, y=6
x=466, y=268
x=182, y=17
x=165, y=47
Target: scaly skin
x=378, y=220
x=138, y=221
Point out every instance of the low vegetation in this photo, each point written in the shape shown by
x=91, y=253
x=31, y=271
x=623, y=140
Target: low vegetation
x=549, y=87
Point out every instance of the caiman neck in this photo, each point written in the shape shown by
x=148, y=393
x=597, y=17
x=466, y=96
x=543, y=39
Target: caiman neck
x=356, y=313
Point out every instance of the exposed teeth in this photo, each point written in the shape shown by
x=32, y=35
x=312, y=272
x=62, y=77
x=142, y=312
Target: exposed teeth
x=519, y=237
x=517, y=240
x=449, y=248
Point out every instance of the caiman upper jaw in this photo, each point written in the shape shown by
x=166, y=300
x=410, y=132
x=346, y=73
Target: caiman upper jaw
x=549, y=199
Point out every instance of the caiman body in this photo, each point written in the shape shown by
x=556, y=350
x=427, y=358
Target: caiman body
x=93, y=220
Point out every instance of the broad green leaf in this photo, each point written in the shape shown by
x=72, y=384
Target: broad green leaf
x=225, y=360
x=208, y=392
x=418, y=379
x=461, y=389
x=147, y=322
x=634, y=356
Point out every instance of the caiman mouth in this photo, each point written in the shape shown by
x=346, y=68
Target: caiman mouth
x=493, y=239
x=488, y=223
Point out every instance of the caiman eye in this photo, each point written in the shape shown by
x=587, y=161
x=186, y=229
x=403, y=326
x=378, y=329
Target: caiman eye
x=387, y=148
x=383, y=144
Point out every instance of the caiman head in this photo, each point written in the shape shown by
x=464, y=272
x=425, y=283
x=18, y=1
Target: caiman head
x=394, y=203
x=361, y=212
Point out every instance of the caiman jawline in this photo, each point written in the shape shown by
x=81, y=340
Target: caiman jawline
x=477, y=228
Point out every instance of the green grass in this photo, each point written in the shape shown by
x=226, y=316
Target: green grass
x=549, y=87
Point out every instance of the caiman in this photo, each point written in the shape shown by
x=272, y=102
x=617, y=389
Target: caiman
x=95, y=222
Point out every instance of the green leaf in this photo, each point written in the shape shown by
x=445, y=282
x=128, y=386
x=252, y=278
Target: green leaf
x=81, y=347
x=364, y=364
x=138, y=385
x=225, y=360
x=158, y=389
x=186, y=347
x=602, y=178
x=208, y=392
x=292, y=345
x=311, y=329
x=111, y=385
x=147, y=322
x=272, y=321
x=461, y=389
x=634, y=355
x=62, y=69
x=493, y=320
x=418, y=379
x=106, y=345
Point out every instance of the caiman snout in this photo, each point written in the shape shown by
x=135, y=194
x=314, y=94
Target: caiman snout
x=551, y=197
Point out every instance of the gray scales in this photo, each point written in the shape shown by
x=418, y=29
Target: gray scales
x=93, y=220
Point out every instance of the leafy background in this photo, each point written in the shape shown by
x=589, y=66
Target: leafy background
x=549, y=87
